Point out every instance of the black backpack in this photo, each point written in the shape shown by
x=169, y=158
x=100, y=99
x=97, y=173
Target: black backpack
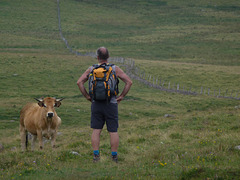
x=103, y=82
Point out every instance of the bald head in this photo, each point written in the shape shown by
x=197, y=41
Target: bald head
x=102, y=53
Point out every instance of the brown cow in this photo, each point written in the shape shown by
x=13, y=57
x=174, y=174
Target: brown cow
x=40, y=119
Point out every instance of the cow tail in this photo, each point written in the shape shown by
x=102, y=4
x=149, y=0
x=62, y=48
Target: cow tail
x=26, y=140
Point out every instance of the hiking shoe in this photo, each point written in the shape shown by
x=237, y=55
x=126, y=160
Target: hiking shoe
x=115, y=158
x=96, y=158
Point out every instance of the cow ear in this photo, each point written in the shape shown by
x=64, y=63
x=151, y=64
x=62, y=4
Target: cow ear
x=58, y=102
x=40, y=102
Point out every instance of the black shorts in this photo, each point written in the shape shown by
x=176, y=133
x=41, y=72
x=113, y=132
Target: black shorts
x=102, y=112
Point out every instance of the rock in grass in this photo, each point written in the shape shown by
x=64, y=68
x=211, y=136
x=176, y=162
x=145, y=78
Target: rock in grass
x=59, y=133
x=14, y=148
x=168, y=115
x=74, y=153
x=237, y=147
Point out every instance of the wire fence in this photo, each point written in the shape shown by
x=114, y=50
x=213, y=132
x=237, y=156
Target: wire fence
x=153, y=81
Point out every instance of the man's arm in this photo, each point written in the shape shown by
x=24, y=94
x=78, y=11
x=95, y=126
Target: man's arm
x=81, y=82
x=128, y=83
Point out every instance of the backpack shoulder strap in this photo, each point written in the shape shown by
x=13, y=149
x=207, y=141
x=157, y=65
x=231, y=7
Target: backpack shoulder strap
x=91, y=68
x=95, y=65
x=113, y=67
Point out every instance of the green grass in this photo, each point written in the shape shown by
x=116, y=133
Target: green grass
x=203, y=32
x=193, y=75
x=197, y=142
x=180, y=42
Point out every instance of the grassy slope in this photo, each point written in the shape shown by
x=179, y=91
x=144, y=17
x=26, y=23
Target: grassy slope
x=196, y=75
x=197, y=142
x=205, y=32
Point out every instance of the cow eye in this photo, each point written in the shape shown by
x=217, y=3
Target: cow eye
x=44, y=105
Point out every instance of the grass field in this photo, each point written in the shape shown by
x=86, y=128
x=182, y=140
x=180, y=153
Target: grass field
x=191, y=43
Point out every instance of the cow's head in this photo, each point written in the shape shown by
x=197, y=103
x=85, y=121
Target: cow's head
x=49, y=103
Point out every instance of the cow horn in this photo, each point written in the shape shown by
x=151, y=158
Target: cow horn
x=39, y=100
x=60, y=99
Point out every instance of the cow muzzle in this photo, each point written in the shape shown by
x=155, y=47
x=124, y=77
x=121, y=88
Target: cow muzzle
x=50, y=114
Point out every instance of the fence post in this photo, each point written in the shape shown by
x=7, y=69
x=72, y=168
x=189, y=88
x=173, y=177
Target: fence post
x=208, y=91
x=169, y=85
x=226, y=93
x=133, y=63
x=163, y=83
x=190, y=89
x=153, y=81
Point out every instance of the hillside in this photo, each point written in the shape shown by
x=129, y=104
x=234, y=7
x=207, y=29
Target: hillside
x=162, y=135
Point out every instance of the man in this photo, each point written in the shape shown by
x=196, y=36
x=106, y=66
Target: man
x=102, y=112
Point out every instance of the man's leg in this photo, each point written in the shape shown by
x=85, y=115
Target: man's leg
x=114, y=140
x=112, y=127
x=95, y=144
x=96, y=139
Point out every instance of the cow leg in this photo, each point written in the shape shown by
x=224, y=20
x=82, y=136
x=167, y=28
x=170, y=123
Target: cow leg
x=53, y=139
x=33, y=142
x=40, y=138
x=23, y=133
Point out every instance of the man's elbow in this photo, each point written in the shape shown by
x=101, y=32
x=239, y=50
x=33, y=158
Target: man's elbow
x=79, y=83
x=130, y=83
